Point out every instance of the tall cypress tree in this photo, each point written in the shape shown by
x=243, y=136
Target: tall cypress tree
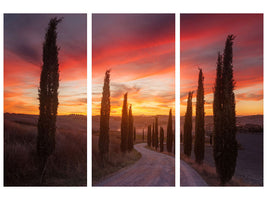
x=153, y=135
x=173, y=134
x=199, y=147
x=149, y=135
x=188, y=126
x=124, y=125
x=156, y=133
x=143, y=135
x=225, y=144
x=103, y=142
x=169, y=132
x=48, y=95
x=161, y=139
x=134, y=133
x=229, y=120
x=131, y=134
x=218, y=117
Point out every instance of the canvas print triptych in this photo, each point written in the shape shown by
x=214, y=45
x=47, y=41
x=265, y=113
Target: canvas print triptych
x=134, y=132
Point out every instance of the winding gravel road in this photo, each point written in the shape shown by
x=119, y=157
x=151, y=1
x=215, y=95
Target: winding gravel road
x=153, y=169
x=189, y=177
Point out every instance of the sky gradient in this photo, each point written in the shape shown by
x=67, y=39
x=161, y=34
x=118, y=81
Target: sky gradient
x=202, y=36
x=140, y=51
x=23, y=39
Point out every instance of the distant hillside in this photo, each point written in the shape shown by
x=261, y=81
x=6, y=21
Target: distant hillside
x=63, y=121
x=241, y=121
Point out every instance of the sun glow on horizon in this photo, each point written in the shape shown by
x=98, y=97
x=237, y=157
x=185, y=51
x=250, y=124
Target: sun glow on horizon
x=142, y=61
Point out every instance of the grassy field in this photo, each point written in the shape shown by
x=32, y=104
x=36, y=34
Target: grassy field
x=66, y=167
x=208, y=173
x=117, y=160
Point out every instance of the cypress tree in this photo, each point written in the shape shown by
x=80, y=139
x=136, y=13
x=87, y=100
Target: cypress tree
x=181, y=136
x=199, y=147
x=131, y=134
x=229, y=121
x=143, y=135
x=173, y=137
x=225, y=144
x=134, y=133
x=161, y=139
x=169, y=132
x=156, y=133
x=153, y=135
x=124, y=125
x=149, y=135
x=103, y=142
x=218, y=117
x=48, y=96
x=188, y=126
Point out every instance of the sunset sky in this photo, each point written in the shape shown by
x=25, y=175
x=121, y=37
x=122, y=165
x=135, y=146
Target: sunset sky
x=140, y=51
x=23, y=38
x=202, y=37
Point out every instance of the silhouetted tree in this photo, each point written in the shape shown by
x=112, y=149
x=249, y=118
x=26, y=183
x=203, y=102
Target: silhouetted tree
x=143, y=135
x=149, y=135
x=48, y=96
x=199, y=147
x=210, y=139
x=225, y=144
x=156, y=133
x=153, y=135
x=161, y=139
x=218, y=116
x=188, y=126
x=131, y=134
x=124, y=125
x=134, y=133
x=169, y=132
x=103, y=142
x=174, y=137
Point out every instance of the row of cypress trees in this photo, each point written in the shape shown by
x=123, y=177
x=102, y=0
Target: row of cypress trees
x=225, y=144
x=152, y=137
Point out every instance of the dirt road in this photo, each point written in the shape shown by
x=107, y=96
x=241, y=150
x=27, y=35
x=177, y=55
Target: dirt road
x=189, y=177
x=153, y=169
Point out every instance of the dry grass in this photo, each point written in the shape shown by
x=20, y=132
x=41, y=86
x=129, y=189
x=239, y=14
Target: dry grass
x=117, y=160
x=209, y=174
x=67, y=165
